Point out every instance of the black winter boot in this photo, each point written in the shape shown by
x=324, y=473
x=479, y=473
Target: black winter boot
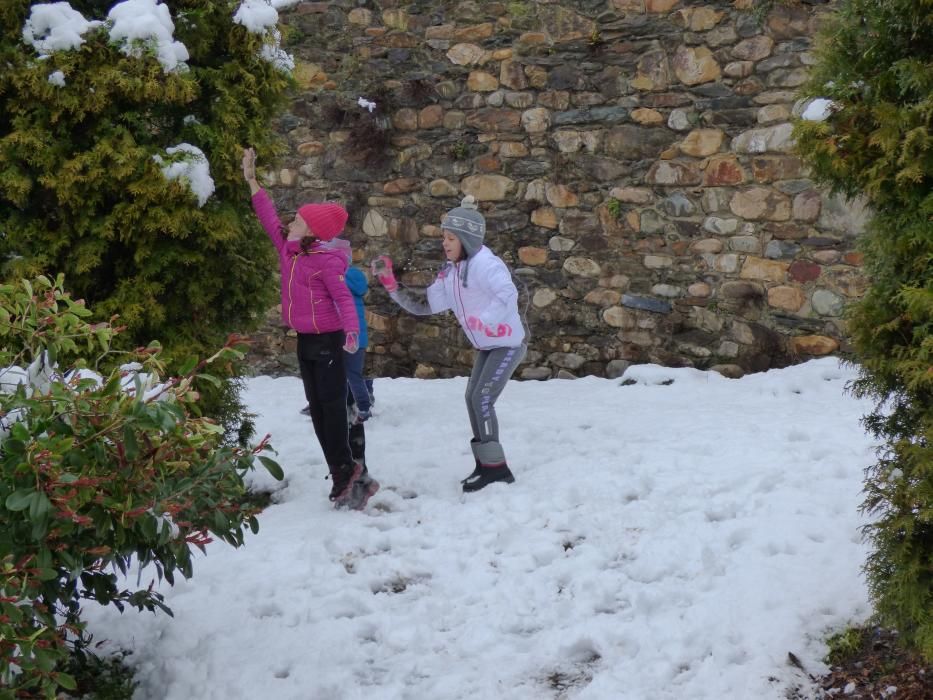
x=334, y=481
x=343, y=477
x=473, y=443
x=490, y=467
x=487, y=475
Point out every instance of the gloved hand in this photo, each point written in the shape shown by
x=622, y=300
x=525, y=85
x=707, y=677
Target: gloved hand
x=382, y=271
x=361, y=417
x=352, y=343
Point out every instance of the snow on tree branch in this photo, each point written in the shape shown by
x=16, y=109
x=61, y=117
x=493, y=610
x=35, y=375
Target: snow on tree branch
x=194, y=169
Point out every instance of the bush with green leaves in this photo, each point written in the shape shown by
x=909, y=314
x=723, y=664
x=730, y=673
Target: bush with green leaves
x=99, y=469
x=875, y=65
x=107, y=152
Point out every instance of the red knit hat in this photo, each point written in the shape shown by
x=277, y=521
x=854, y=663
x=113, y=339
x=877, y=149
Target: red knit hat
x=326, y=220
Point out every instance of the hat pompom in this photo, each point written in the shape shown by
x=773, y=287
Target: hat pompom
x=469, y=202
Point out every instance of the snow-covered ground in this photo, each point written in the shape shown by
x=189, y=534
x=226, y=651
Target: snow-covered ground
x=662, y=540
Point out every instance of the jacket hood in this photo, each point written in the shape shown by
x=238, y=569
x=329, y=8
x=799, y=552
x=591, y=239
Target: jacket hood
x=337, y=246
x=357, y=282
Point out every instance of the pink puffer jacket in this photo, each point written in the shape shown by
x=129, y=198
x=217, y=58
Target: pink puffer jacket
x=315, y=298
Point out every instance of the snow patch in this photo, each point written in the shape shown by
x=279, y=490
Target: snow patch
x=55, y=26
x=257, y=16
x=194, y=169
x=261, y=17
x=276, y=55
x=818, y=110
x=142, y=25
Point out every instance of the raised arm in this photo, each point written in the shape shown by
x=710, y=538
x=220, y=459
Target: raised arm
x=262, y=202
x=249, y=170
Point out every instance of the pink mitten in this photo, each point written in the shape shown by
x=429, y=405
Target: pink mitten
x=353, y=342
x=382, y=271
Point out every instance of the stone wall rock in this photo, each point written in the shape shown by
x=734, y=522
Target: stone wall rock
x=634, y=160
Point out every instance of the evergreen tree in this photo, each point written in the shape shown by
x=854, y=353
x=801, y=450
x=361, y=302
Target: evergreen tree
x=85, y=134
x=876, y=66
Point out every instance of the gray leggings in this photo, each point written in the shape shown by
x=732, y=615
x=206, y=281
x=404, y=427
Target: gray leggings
x=491, y=371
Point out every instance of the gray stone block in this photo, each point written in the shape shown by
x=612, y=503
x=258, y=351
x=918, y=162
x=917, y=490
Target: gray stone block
x=646, y=304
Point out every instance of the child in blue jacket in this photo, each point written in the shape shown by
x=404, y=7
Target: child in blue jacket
x=360, y=388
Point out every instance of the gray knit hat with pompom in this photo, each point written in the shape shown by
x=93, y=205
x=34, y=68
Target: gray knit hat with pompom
x=467, y=224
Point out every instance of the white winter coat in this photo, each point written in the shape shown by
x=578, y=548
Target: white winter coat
x=486, y=306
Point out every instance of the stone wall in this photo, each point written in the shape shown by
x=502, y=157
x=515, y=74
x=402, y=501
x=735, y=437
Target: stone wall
x=633, y=159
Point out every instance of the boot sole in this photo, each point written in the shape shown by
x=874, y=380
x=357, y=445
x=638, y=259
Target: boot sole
x=470, y=488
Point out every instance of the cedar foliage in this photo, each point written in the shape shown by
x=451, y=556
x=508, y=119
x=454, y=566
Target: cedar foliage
x=81, y=194
x=876, y=65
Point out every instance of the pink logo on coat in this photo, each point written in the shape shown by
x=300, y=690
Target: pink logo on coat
x=498, y=331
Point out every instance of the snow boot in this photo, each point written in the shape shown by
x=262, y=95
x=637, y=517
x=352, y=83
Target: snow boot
x=360, y=492
x=343, y=477
x=488, y=475
x=475, y=473
x=491, y=467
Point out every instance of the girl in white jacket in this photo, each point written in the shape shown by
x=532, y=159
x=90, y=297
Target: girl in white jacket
x=477, y=286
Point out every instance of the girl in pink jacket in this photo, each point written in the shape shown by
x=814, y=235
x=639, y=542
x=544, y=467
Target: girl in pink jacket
x=477, y=286
x=316, y=303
